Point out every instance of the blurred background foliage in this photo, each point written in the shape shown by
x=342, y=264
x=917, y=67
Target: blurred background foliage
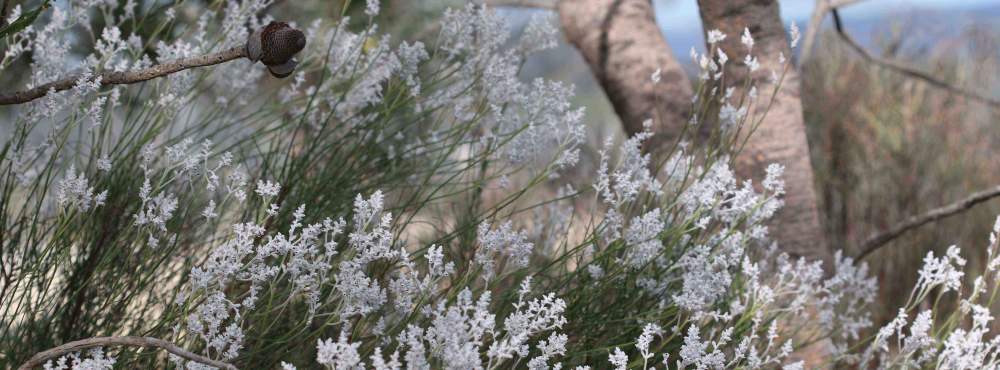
x=884, y=147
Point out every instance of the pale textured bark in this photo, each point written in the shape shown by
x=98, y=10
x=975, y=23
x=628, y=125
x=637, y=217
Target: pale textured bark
x=621, y=42
x=781, y=137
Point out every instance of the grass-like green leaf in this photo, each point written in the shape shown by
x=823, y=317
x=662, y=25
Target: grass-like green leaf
x=24, y=20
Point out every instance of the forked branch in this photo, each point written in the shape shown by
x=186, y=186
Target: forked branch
x=820, y=10
x=879, y=240
x=907, y=70
x=76, y=346
x=127, y=77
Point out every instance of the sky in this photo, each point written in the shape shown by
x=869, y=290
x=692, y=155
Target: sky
x=682, y=26
x=683, y=14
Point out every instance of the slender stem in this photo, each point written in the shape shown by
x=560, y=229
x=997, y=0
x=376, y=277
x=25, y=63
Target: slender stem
x=149, y=342
x=127, y=77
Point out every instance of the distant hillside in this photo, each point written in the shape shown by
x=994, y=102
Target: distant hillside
x=929, y=25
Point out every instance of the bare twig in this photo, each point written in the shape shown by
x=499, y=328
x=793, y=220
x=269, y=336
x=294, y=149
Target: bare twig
x=879, y=240
x=148, y=342
x=816, y=22
x=128, y=77
x=540, y=4
x=907, y=70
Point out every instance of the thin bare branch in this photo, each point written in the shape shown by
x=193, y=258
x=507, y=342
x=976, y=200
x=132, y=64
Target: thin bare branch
x=820, y=10
x=907, y=70
x=128, y=77
x=540, y=4
x=40, y=358
x=879, y=240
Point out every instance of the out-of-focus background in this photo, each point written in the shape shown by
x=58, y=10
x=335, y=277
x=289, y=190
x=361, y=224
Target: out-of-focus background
x=884, y=146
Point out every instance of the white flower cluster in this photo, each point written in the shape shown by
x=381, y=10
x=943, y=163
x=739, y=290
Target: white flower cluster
x=155, y=212
x=945, y=271
x=456, y=336
x=529, y=319
x=304, y=253
x=338, y=355
x=181, y=166
x=630, y=176
x=360, y=65
x=842, y=308
x=708, y=353
x=50, y=46
x=503, y=241
x=73, y=191
x=643, y=235
x=621, y=186
x=371, y=240
x=305, y=257
x=53, y=46
x=723, y=272
x=713, y=195
x=688, y=239
x=734, y=110
x=540, y=34
x=473, y=38
x=962, y=338
x=96, y=360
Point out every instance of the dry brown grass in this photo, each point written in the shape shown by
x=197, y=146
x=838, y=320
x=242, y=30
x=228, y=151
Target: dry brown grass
x=886, y=147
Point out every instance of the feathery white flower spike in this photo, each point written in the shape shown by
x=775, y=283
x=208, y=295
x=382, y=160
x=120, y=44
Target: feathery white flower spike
x=747, y=39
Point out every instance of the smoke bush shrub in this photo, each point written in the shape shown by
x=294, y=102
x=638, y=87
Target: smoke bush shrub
x=378, y=209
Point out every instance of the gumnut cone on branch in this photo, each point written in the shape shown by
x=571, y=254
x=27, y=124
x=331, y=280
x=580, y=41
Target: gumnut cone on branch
x=276, y=45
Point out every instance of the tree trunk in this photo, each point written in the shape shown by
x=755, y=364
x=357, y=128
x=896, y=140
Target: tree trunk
x=621, y=42
x=781, y=137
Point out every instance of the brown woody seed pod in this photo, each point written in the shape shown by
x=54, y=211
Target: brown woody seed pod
x=276, y=45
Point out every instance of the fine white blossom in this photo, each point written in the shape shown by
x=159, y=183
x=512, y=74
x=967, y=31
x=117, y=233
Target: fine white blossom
x=747, y=39
x=715, y=36
x=502, y=241
x=74, y=191
x=372, y=7
x=268, y=189
x=96, y=360
x=794, y=35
